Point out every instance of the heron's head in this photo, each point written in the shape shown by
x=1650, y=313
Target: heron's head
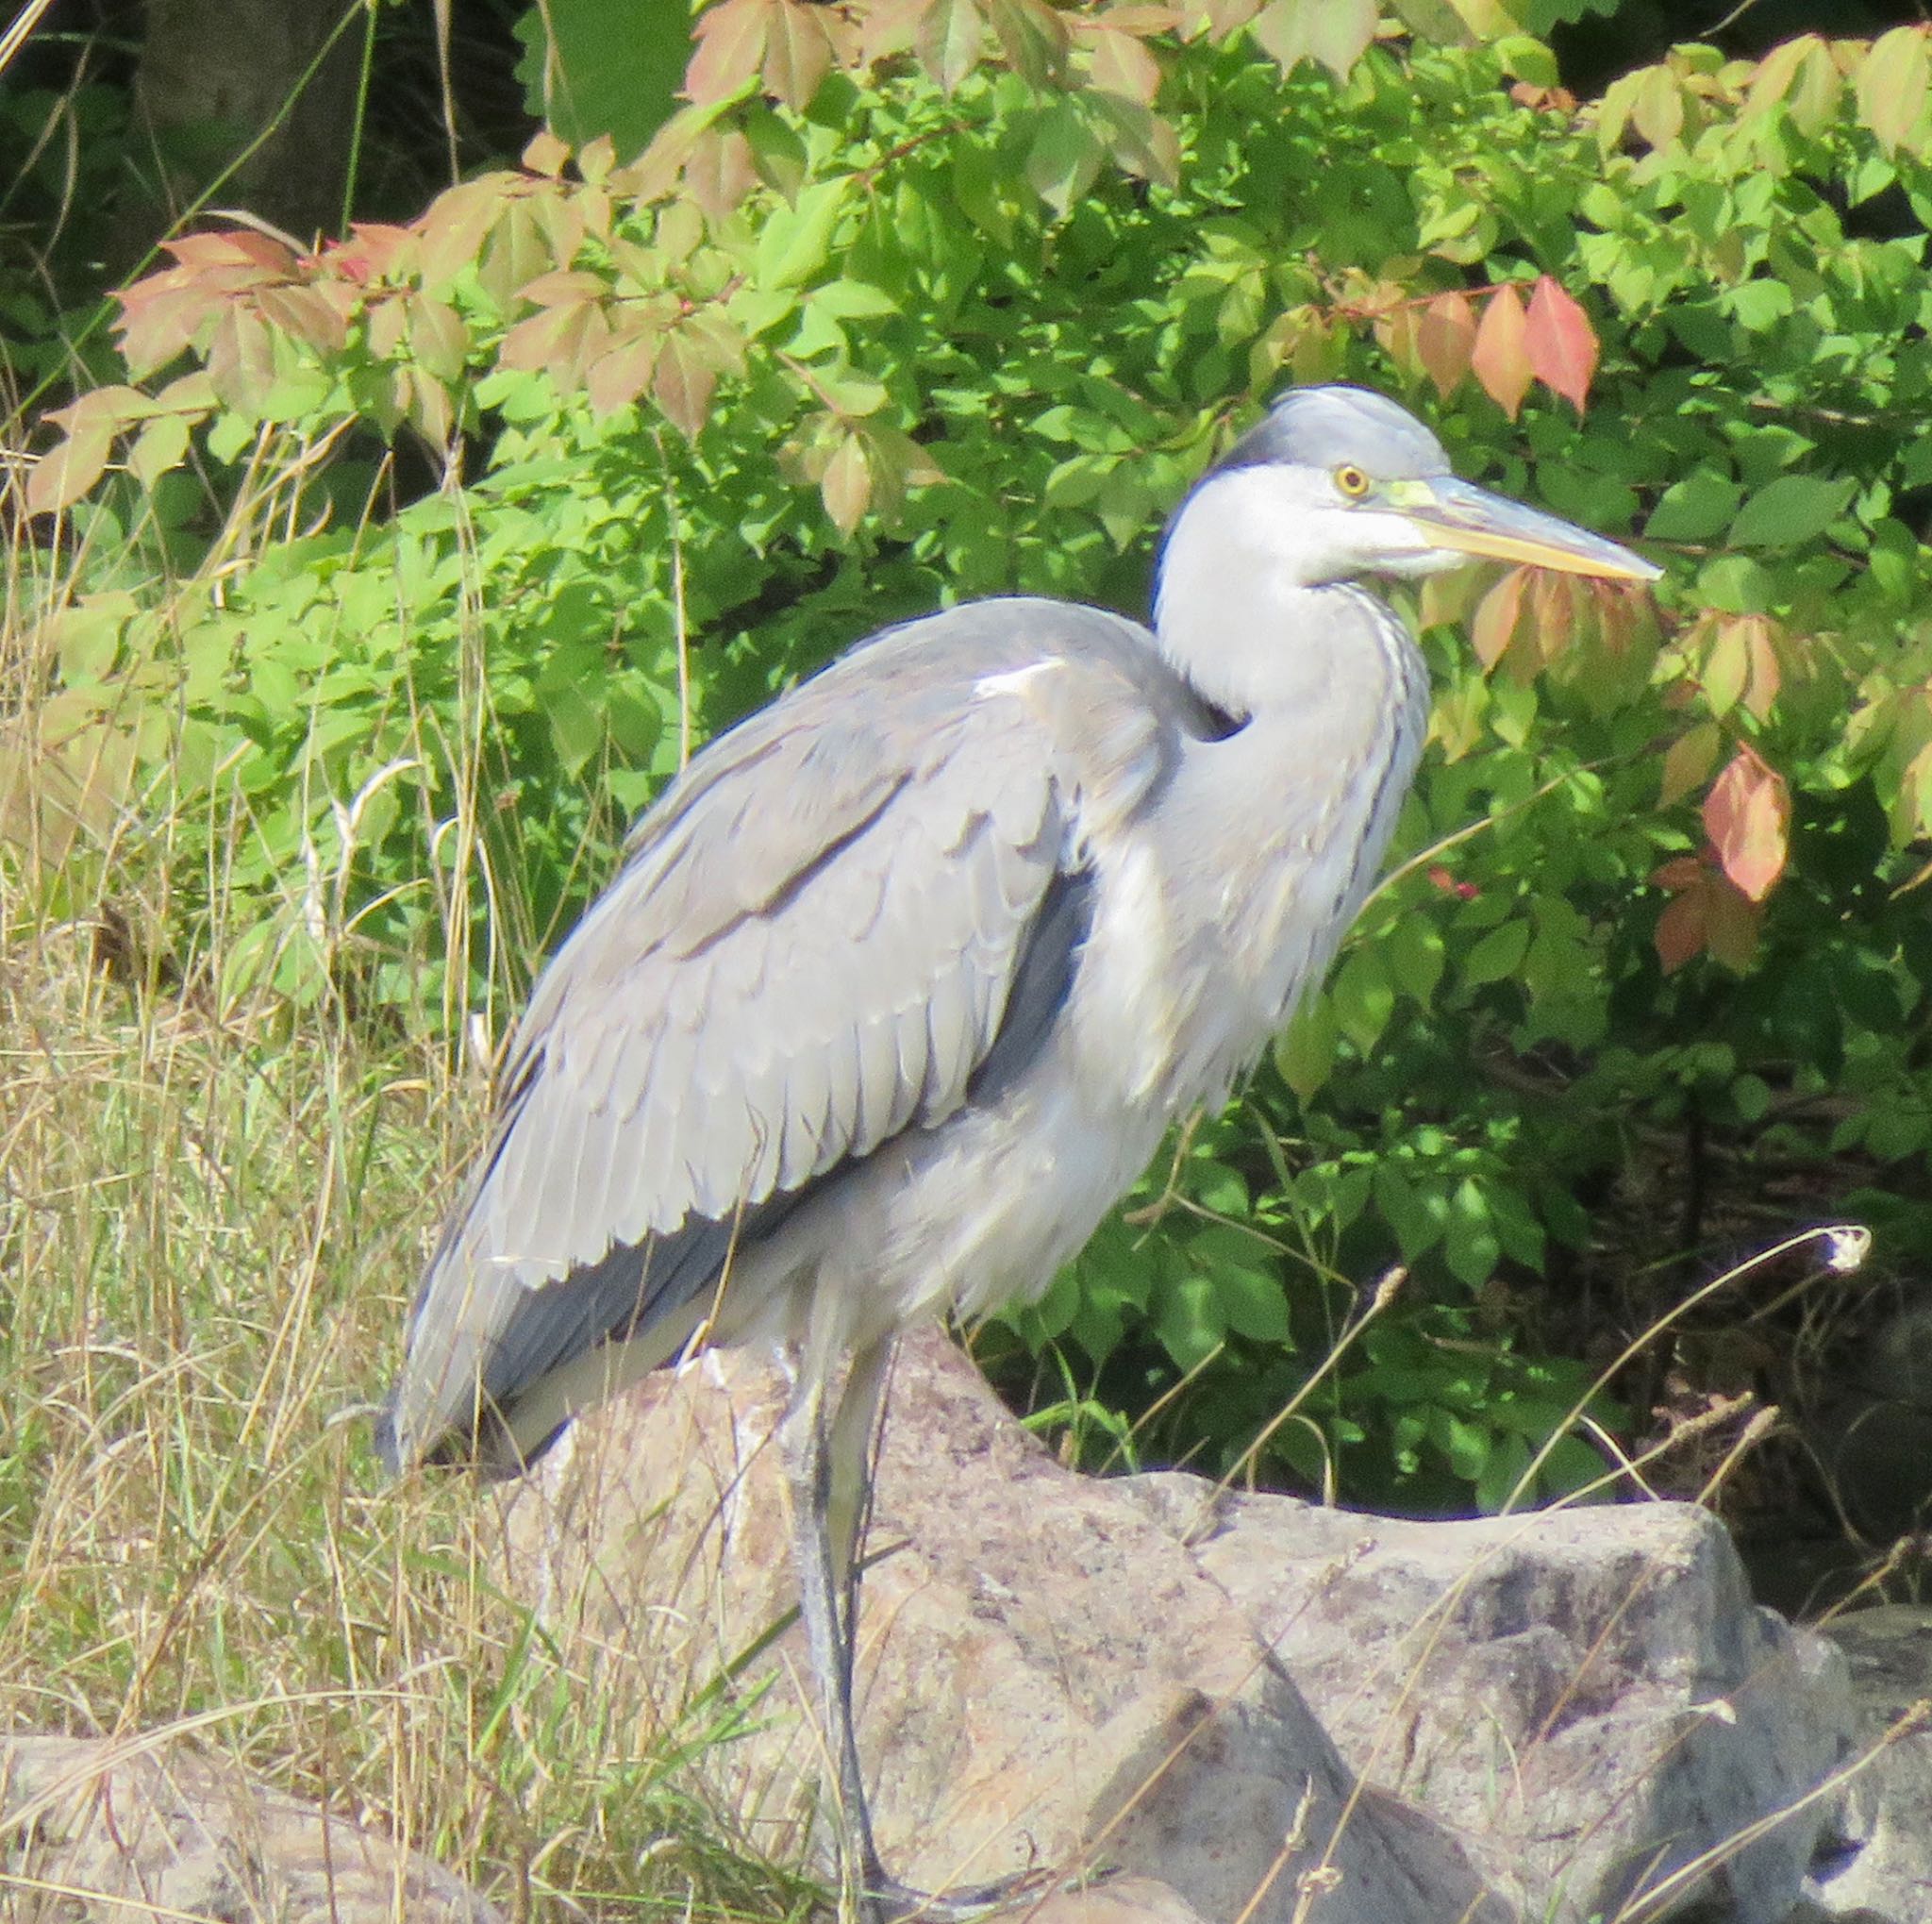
x=1337, y=482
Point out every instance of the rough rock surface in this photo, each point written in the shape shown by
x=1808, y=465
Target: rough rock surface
x=1588, y=1697
x=1048, y=1682
x=1880, y=1869
x=126, y=1832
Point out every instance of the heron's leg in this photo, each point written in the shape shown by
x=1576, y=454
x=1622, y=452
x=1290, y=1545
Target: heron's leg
x=824, y=1600
x=829, y=1467
x=855, y=1437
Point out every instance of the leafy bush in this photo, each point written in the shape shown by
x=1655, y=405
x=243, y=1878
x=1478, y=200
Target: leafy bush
x=927, y=303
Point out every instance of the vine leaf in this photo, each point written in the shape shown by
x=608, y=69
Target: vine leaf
x=1560, y=342
x=1747, y=814
x=1500, y=358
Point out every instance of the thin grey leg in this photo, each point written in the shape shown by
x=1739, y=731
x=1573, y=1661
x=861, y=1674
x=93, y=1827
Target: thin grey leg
x=826, y=1601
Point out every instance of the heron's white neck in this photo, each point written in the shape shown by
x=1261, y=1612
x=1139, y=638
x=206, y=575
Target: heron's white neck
x=1250, y=611
x=1277, y=831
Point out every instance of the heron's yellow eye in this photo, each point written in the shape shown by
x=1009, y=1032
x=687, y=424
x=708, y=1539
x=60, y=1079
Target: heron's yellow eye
x=1352, y=482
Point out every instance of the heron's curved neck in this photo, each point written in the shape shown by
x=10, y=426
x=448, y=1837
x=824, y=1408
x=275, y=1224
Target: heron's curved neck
x=1248, y=634
x=1283, y=826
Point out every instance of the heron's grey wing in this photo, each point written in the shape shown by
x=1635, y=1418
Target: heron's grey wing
x=844, y=912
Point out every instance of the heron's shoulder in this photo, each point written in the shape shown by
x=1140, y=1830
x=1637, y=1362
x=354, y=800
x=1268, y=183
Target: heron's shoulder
x=1081, y=671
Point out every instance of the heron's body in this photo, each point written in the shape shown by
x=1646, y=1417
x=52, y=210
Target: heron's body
x=902, y=981
x=691, y=1080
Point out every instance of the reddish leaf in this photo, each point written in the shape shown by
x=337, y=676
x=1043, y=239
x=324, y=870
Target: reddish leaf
x=887, y=30
x=68, y=470
x=1893, y=85
x=798, y=51
x=624, y=374
x=1732, y=922
x=160, y=318
x=1766, y=676
x=561, y=288
x=682, y=382
x=1560, y=342
x=721, y=171
x=1122, y=65
x=454, y=226
x=1228, y=17
x=1032, y=37
x=1500, y=358
x=1747, y=814
x=161, y=445
x=526, y=242
x=1708, y=915
x=1396, y=329
x=730, y=49
x=1688, y=763
x=951, y=38
x=241, y=360
x=1681, y=930
x=428, y=406
x=233, y=247
x=545, y=155
x=304, y=314
x=1561, y=616
x=438, y=338
x=1444, y=339
x=1333, y=32
x=386, y=324
x=1494, y=627
x=561, y=341
x=846, y=484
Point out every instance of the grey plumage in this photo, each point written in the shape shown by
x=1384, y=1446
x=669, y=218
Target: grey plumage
x=694, y=1052
x=900, y=982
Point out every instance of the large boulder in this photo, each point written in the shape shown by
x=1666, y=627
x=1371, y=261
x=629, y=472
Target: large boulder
x=127, y=1831
x=1589, y=1696
x=1276, y=1710
x=1048, y=1682
x=1879, y=1868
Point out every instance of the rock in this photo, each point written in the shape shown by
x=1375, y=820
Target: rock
x=126, y=1831
x=1117, y=1901
x=1048, y=1682
x=1589, y=1697
x=1879, y=1871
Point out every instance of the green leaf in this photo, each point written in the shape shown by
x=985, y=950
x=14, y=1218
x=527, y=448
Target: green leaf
x=1893, y=85
x=1415, y=953
x=1502, y=1470
x=1418, y=1215
x=1304, y=1051
x=796, y=242
x=1064, y=159
x=1790, y=510
x=595, y=67
x=1498, y=954
x=1363, y=997
x=1694, y=508
x=1253, y=1301
x=1189, y=1320
x=1470, y=1243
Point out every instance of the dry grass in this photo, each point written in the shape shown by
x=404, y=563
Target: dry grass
x=210, y=1221
x=209, y=1230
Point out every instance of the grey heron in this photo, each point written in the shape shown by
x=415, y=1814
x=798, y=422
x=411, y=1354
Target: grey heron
x=902, y=980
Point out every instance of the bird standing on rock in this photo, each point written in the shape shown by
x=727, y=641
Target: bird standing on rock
x=903, y=979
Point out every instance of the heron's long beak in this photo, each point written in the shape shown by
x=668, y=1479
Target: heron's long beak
x=1449, y=514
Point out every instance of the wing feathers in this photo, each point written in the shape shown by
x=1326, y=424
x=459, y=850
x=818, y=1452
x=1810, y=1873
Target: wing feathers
x=822, y=935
